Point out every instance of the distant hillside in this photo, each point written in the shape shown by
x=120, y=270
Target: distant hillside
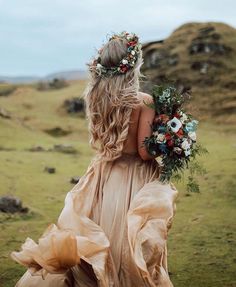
x=201, y=56
x=67, y=75
x=19, y=80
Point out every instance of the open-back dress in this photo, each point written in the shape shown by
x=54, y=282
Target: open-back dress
x=112, y=230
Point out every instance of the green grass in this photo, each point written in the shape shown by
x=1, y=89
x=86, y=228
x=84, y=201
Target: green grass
x=202, y=238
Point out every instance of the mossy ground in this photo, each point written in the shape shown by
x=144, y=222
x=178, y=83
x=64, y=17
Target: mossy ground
x=202, y=238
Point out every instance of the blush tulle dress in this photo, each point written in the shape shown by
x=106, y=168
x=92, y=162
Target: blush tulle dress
x=112, y=230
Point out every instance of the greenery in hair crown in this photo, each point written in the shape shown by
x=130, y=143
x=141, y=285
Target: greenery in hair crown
x=127, y=63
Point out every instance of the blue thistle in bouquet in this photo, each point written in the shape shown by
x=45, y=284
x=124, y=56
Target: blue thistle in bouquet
x=173, y=140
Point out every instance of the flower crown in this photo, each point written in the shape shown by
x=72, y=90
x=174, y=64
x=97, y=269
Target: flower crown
x=127, y=63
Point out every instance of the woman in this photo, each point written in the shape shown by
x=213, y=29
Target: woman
x=113, y=228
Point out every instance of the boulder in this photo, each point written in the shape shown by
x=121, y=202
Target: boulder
x=54, y=84
x=64, y=148
x=57, y=132
x=74, y=105
x=74, y=179
x=50, y=169
x=37, y=148
x=4, y=114
x=197, y=47
x=11, y=204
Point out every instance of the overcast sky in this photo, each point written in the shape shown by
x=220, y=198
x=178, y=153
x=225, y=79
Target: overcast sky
x=38, y=37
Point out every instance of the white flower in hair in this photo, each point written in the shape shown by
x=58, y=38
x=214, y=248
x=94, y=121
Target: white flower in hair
x=99, y=66
x=129, y=37
x=124, y=61
x=133, y=52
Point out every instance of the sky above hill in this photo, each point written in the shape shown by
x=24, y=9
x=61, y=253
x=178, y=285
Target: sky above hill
x=38, y=37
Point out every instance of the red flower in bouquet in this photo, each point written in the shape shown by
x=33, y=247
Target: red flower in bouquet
x=177, y=115
x=162, y=118
x=168, y=136
x=170, y=143
x=165, y=118
x=180, y=133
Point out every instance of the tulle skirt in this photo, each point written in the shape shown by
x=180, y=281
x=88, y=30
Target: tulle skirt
x=112, y=230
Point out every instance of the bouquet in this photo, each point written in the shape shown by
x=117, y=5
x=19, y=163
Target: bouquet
x=173, y=140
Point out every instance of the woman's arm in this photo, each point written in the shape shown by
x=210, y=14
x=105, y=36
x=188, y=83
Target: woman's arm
x=146, y=118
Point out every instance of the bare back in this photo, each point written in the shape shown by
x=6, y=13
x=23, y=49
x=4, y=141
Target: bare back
x=139, y=128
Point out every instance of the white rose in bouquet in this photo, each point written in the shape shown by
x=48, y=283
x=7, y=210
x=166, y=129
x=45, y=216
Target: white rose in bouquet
x=174, y=124
x=186, y=145
x=193, y=136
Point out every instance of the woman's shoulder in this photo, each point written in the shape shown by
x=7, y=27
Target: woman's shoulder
x=145, y=98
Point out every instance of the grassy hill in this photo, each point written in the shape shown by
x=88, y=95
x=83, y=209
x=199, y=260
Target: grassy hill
x=200, y=56
x=202, y=238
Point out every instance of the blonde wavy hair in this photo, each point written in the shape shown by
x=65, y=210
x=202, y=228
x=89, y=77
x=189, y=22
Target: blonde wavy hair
x=110, y=100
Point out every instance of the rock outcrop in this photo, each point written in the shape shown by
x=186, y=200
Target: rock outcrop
x=200, y=56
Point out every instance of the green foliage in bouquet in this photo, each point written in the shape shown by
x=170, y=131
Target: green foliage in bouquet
x=173, y=139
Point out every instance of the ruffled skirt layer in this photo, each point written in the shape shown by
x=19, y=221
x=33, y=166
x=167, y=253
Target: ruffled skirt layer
x=112, y=230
